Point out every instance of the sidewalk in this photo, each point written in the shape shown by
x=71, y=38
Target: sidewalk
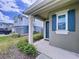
x=53, y=52
x=3, y=35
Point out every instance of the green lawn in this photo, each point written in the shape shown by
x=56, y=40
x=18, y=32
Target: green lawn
x=8, y=41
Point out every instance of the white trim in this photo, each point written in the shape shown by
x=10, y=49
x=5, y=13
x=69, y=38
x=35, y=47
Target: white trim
x=42, y=8
x=62, y=32
x=44, y=28
x=64, y=12
x=31, y=19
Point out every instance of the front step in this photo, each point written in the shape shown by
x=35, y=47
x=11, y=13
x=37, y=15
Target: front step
x=42, y=56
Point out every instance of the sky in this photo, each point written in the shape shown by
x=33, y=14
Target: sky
x=11, y=8
x=5, y=19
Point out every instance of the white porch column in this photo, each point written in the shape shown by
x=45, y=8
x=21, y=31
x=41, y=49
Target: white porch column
x=44, y=29
x=31, y=19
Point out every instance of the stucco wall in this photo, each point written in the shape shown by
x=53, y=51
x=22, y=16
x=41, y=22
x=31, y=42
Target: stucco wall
x=68, y=41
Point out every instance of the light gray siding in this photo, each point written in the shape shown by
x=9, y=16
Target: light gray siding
x=68, y=41
x=21, y=30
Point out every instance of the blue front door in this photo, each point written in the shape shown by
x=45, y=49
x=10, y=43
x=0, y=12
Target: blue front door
x=47, y=29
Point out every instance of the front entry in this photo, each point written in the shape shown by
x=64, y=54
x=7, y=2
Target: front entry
x=47, y=29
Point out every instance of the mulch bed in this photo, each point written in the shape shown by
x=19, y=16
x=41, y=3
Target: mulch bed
x=14, y=53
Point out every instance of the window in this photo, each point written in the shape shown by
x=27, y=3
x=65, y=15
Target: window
x=0, y=24
x=15, y=21
x=21, y=19
x=62, y=22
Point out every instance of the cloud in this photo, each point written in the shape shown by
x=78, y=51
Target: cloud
x=29, y=2
x=5, y=19
x=9, y=5
x=1, y=17
x=8, y=8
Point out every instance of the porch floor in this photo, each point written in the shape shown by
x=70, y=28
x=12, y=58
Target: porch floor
x=53, y=52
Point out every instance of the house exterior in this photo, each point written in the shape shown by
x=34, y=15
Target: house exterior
x=5, y=25
x=61, y=22
x=21, y=25
x=38, y=26
x=5, y=28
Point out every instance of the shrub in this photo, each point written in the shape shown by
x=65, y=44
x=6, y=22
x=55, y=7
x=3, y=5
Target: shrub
x=27, y=48
x=37, y=36
x=15, y=35
x=35, y=32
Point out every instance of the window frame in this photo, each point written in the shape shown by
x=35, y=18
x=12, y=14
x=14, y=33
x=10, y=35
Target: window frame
x=60, y=13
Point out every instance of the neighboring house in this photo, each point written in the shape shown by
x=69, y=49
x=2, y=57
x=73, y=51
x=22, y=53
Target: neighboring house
x=5, y=25
x=38, y=26
x=21, y=25
x=5, y=28
x=61, y=22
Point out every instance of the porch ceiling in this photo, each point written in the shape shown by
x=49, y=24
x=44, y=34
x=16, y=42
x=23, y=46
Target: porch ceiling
x=43, y=8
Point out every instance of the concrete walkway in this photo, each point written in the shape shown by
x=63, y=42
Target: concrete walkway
x=3, y=35
x=53, y=52
x=42, y=56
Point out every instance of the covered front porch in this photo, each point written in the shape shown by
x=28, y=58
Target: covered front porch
x=42, y=10
x=51, y=52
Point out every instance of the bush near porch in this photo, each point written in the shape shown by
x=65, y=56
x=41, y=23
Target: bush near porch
x=38, y=36
x=27, y=48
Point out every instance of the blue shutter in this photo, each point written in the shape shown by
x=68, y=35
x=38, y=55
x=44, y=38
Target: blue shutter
x=54, y=22
x=71, y=20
